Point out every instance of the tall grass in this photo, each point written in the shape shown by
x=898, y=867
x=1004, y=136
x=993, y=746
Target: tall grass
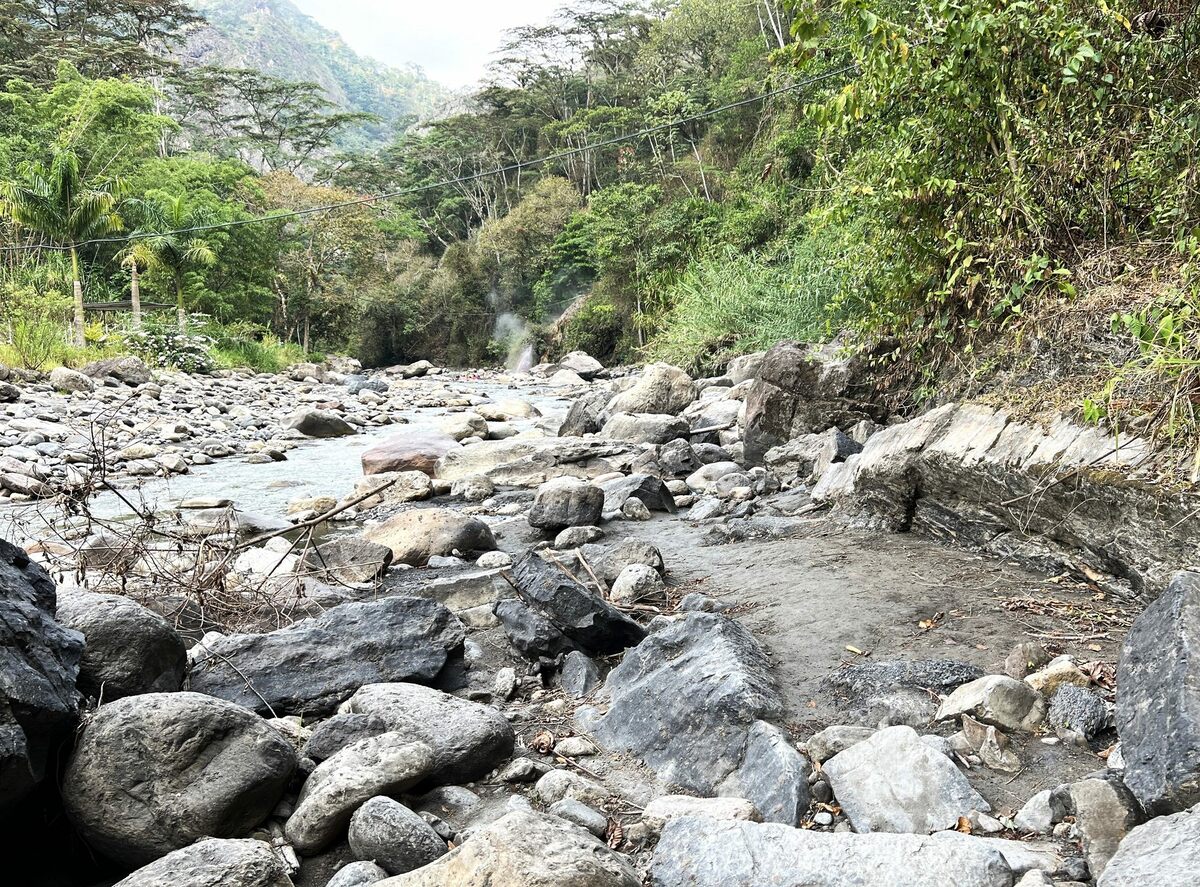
x=726, y=304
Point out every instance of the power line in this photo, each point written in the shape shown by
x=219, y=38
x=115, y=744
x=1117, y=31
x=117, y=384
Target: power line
x=404, y=192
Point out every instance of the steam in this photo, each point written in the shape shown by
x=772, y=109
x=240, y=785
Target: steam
x=512, y=330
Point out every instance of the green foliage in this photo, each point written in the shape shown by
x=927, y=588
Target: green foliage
x=163, y=345
x=596, y=327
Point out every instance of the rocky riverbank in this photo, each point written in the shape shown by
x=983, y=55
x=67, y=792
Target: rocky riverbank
x=591, y=628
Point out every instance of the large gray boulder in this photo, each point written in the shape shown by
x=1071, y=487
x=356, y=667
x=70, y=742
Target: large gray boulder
x=685, y=699
x=128, y=649
x=408, y=451
x=380, y=765
x=584, y=415
x=153, y=773
x=1158, y=699
x=131, y=371
x=9, y=393
x=526, y=849
x=703, y=852
x=773, y=775
x=1105, y=811
x=312, y=666
x=318, y=423
x=468, y=739
x=386, y=832
x=348, y=559
x=805, y=389
x=651, y=490
x=566, y=502
x=215, y=861
x=645, y=428
x=39, y=665
x=416, y=535
x=70, y=381
x=581, y=364
x=998, y=700
x=661, y=388
x=582, y=616
x=1165, y=850
x=894, y=782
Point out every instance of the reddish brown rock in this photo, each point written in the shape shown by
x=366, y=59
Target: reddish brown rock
x=408, y=451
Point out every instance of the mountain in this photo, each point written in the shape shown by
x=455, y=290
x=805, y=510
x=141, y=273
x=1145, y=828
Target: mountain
x=275, y=37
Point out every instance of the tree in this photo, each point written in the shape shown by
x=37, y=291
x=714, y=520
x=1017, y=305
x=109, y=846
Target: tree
x=168, y=245
x=55, y=202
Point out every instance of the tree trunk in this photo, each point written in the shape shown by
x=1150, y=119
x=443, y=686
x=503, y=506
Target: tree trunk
x=180, y=314
x=135, y=295
x=77, y=284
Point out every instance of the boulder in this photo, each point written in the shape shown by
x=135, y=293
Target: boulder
x=1105, y=811
x=357, y=874
x=313, y=665
x=580, y=675
x=379, y=765
x=408, y=451
x=566, y=502
x=894, y=782
x=153, y=773
x=685, y=700
x=836, y=739
x=700, y=852
x=70, y=381
x=1164, y=851
x=531, y=461
x=388, y=833
x=773, y=776
x=128, y=649
x=468, y=739
x=858, y=685
x=800, y=390
x=637, y=582
x=214, y=861
x=529, y=631
x=526, y=849
x=318, y=423
x=416, y=535
x=129, y=370
x=584, y=415
x=582, y=364
x=347, y=559
x=650, y=490
x=705, y=478
x=609, y=560
x=581, y=615
x=744, y=368
x=1158, y=699
x=39, y=665
x=393, y=488
x=645, y=428
x=10, y=393
x=661, y=388
x=997, y=700
x=1076, y=710
x=809, y=456
x=677, y=458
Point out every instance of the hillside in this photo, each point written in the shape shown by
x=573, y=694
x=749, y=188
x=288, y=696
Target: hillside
x=277, y=38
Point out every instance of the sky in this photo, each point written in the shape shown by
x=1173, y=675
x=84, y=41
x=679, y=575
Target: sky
x=453, y=40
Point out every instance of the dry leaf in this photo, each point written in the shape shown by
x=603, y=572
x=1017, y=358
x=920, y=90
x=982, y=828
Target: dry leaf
x=964, y=825
x=543, y=742
x=853, y=649
x=615, y=833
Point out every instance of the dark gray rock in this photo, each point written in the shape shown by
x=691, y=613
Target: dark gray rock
x=773, y=776
x=336, y=733
x=531, y=634
x=894, y=782
x=128, y=649
x=646, y=428
x=1164, y=851
x=1078, y=710
x=580, y=675
x=566, y=502
x=858, y=685
x=651, y=490
x=318, y=423
x=129, y=370
x=677, y=458
x=588, y=621
x=584, y=415
x=702, y=852
x=800, y=390
x=468, y=739
x=685, y=700
x=212, y=862
x=9, y=393
x=316, y=663
x=1158, y=700
x=39, y=665
x=389, y=834
x=810, y=455
x=153, y=773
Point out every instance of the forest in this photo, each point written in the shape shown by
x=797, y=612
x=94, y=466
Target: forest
x=640, y=179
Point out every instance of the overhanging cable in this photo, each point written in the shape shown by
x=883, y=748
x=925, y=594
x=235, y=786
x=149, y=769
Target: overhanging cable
x=418, y=189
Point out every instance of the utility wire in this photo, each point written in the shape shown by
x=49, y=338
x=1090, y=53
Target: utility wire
x=404, y=192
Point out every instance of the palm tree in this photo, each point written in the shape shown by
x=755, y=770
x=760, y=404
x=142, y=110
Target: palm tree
x=166, y=243
x=57, y=203
x=137, y=259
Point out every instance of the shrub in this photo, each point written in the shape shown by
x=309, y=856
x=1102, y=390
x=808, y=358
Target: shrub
x=161, y=344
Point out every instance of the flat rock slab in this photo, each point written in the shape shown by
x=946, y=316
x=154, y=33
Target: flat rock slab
x=1164, y=851
x=685, y=699
x=696, y=852
x=312, y=666
x=895, y=782
x=525, y=850
x=240, y=862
